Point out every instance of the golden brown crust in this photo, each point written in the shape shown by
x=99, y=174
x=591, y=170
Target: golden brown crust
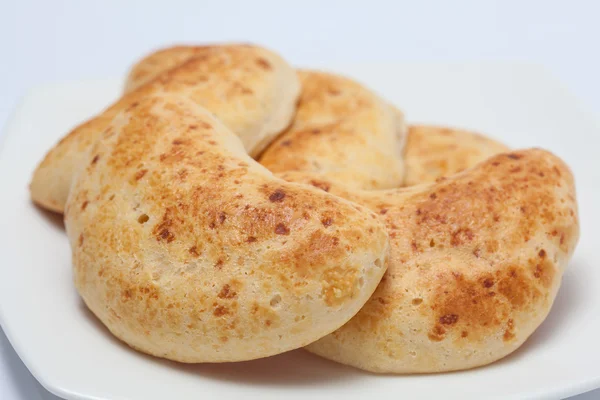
x=252, y=90
x=343, y=131
x=435, y=151
x=187, y=249
x=476, y=262
x=154, y=64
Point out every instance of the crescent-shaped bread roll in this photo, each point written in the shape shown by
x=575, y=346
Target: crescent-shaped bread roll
x=186, y=248
x=476, y=262
x=250, y=89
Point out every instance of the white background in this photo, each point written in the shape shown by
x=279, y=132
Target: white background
x=50, y=40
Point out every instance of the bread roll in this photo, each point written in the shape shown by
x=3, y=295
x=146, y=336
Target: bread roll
x=476, y=262
x=187, y=249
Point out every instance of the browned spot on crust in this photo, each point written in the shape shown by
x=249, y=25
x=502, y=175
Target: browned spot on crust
x=478, y=309
x=383, y=211
x=264, y=64
x=126, y=294
x=448, y=319
x=165, y=234
x=95, y=159
x=542, y=253
x=251, y=239
x=80, y=239
x=509, y=332
x=162, y=230
x=194, y=251
x=277, y=196
x=281, y=229
x=220, y=310
x=227, y=292
x=150, y=291
x=140, y=174
x=544, y=272
x=182, y=174
x=265, y=314
x=517, y=288
x=219, y=264
x=460, y=236
x=437, y=334
x=327, y=222
x=84, y=205
x=514, y=156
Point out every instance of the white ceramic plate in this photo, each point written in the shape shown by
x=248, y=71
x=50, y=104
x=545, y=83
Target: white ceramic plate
x=75, y=357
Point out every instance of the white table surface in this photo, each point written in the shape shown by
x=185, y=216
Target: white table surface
x=43, y=41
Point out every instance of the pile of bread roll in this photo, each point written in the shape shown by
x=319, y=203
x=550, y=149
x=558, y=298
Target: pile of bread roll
x=229, y=207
